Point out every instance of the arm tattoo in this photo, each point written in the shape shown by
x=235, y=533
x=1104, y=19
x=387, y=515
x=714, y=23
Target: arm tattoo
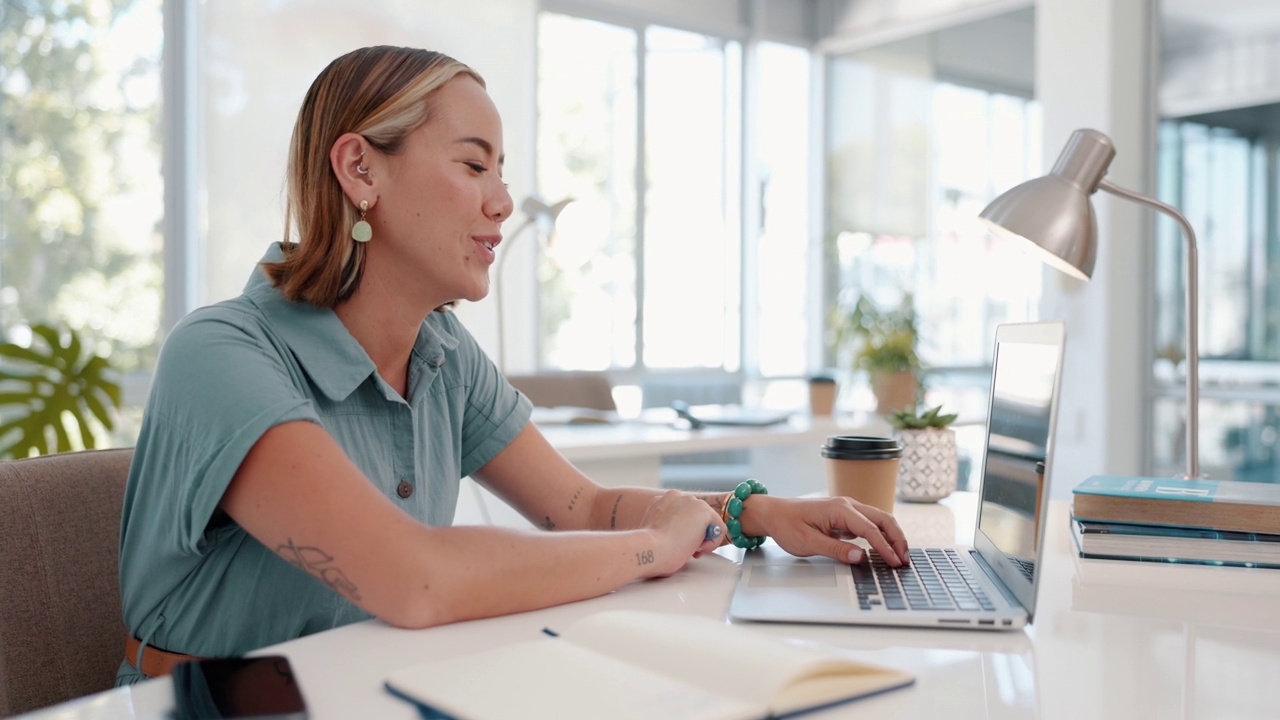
x=574, y=500
x=715, y=500
x=547, y=524
x=644, y=558
x=613, y=517
x=317, y=562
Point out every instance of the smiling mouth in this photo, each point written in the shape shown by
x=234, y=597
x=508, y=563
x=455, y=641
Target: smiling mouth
x=488, y=244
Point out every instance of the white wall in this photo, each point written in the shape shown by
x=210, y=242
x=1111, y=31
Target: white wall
x=1091, y=57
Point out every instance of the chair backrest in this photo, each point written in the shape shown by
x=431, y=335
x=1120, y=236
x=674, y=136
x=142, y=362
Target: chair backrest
x=61, y=628
x=566, y=389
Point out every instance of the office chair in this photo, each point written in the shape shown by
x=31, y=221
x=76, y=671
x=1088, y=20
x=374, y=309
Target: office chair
x=61, y=627
x=566, y=389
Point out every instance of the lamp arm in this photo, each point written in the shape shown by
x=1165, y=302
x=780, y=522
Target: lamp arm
x=497, y=287
x=1193, y=320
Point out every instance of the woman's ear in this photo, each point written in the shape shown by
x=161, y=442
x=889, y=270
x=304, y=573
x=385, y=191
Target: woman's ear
x=353, y=168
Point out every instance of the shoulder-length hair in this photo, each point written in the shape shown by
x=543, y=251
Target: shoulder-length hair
x=382, y=93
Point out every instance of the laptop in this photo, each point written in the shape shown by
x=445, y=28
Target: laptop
x=989, y=586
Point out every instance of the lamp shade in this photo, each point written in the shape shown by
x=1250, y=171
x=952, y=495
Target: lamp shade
x=543, y=214
x=1054, y=212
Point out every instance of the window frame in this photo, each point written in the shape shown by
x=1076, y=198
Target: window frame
x=744, y=187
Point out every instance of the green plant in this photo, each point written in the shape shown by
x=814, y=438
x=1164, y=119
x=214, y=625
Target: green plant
x=916, y=418
x=49, y=391
x=882, y=340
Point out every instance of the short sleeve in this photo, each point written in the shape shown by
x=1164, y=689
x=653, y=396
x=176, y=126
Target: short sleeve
x=221, y=382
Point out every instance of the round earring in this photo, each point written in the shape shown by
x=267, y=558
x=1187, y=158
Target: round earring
x=362, y=232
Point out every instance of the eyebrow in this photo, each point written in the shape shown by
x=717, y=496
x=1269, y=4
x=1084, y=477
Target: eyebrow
x=484, y=145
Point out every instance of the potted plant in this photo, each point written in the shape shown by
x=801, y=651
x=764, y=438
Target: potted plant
x=929, y=466
x=883, y=343
x=53, y=394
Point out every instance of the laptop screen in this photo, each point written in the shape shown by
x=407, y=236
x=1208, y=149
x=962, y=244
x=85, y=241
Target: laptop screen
x=1024, y=393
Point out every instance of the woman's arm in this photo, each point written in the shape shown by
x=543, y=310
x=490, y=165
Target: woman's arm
x=297, y=493
x=534, y=478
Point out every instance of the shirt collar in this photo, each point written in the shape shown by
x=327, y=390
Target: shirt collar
x=334, y=360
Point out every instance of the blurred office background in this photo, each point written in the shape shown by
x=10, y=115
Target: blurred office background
x=740, y=168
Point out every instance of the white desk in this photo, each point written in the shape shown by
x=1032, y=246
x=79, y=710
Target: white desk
x=629, y=453
x=784, y=456
x=1163, y=644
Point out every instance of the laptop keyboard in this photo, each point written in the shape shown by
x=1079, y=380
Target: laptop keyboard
x=936, y=579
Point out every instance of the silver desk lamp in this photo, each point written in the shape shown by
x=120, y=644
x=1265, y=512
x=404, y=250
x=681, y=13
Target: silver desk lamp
x=1054, y=213
x=543, y=216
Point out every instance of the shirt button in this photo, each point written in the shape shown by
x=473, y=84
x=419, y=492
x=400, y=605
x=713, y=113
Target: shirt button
x=404, y=489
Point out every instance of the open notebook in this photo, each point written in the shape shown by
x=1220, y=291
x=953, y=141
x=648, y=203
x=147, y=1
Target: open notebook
x=634, y=665
x=989, y=586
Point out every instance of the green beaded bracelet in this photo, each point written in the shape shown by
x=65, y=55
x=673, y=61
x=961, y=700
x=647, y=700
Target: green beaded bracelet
x=733, y=509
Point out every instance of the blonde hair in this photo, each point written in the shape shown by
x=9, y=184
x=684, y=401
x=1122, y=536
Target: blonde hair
x=382, y=93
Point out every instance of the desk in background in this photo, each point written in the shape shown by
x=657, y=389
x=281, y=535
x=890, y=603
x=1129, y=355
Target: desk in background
x=784, y=456
x=1108, y=641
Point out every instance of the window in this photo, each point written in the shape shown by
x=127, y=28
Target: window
x=912, y=162
x=654, y=266
x=587, y=135
x=81, y=193
x=691, y=244
x=1220, y=171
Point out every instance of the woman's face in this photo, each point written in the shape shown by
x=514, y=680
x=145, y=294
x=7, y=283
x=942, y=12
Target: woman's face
x=439, y=215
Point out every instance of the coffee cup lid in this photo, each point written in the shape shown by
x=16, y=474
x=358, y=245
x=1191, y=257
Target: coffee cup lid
x=861, y=447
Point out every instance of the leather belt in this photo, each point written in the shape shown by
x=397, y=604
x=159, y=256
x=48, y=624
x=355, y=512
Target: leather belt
x=155, y=662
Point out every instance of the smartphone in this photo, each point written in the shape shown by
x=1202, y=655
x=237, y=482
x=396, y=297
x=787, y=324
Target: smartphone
x=261, y=688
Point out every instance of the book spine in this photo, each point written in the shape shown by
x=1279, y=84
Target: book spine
x=1167, y=513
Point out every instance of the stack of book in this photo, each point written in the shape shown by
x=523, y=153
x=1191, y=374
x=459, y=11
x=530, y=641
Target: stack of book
x=1205, y=522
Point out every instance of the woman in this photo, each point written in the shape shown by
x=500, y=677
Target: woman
x=323, y=419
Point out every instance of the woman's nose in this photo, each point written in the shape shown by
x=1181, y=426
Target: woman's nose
x=501, y=205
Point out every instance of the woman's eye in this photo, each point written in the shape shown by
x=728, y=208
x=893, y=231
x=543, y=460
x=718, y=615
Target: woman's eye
x=476, y=167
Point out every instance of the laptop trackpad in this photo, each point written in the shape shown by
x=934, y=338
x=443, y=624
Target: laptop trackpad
x=793, y=576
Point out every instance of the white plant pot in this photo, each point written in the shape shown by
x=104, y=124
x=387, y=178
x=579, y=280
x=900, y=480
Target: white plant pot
x=929, y=466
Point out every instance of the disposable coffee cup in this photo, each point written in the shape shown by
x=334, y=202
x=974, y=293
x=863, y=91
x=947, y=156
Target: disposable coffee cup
x=864, y=468
x=822, y=396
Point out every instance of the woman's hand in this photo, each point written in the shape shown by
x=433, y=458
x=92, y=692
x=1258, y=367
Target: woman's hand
x=678, y=522
x=819, y=526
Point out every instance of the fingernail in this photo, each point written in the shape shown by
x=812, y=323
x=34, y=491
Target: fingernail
x=855, y=556
x=713, y=532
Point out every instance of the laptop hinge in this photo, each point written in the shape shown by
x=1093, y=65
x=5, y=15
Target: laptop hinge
x=995, y=579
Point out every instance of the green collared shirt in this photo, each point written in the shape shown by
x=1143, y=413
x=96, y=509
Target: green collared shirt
x=228, y=373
